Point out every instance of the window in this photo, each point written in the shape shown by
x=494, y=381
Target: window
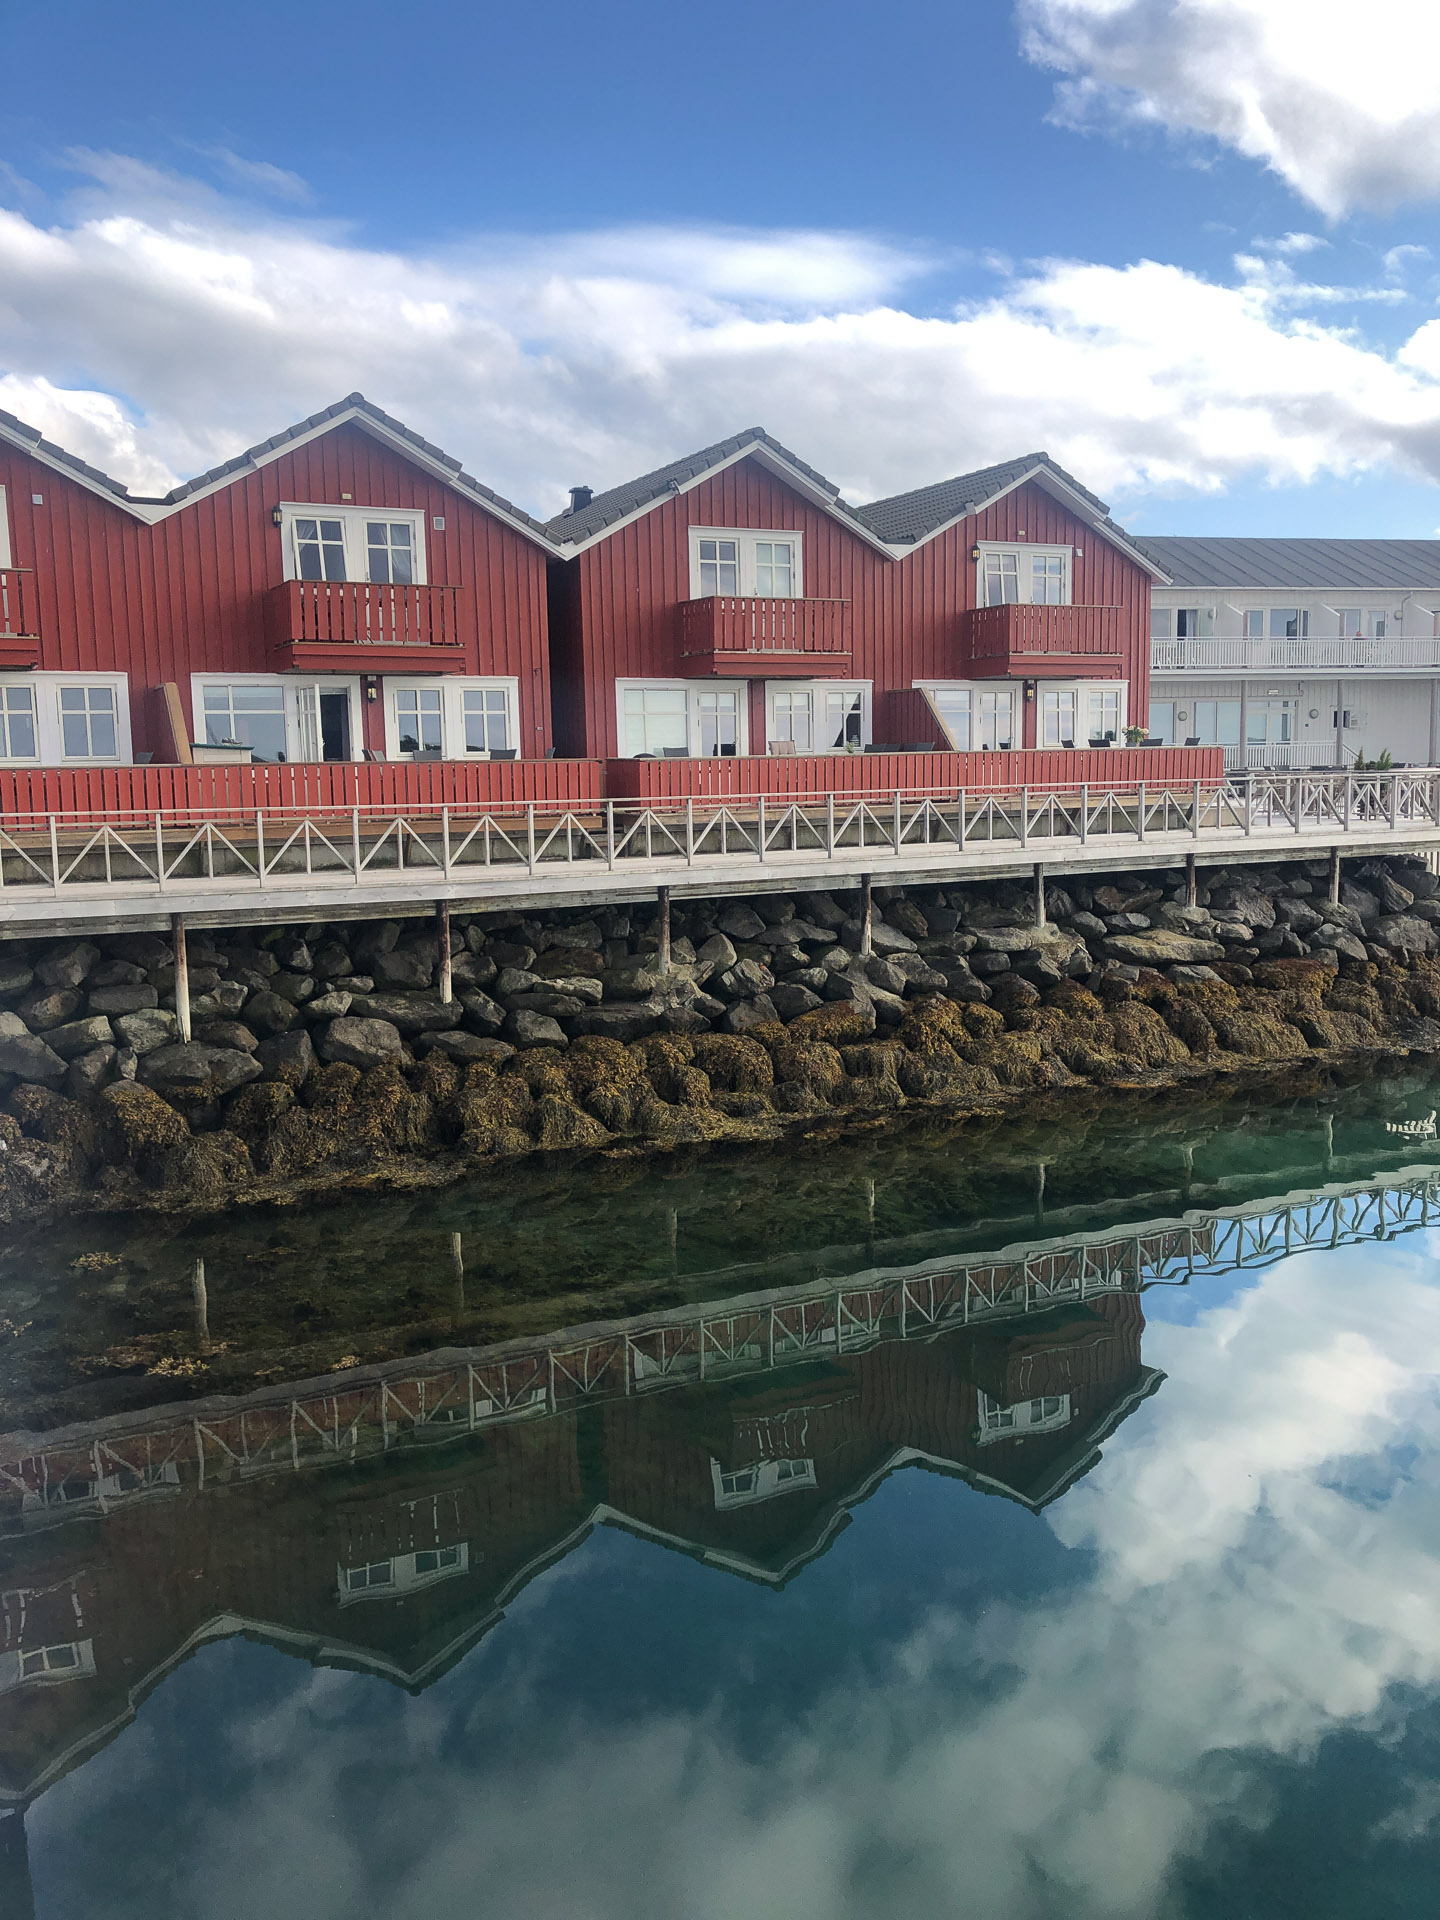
x=655, y=718
x=319, y=549
x=390, y=551
x=1162, y=721
x=377, y=1573
x=1037, y=576
x=718, y=715
x=734, y=561
x=437, y=1560
x=17, y=723
x=1044, y=1414
x=246, y=715
x=487, y=719
x=845, y=719
x=1162, y=623
x=1252, y=623
x=792, y=718
x=774, y=568
x=1057, y=718
x=354, y=543
x=402, y=1573
x=1289, y=623
x=1270, y=723
x=978, y=719
x=1217, y=723
x=1105, y=710
x=5, y=557
x=1195, y=623
x=417, y=720
x=87, y=723
x=1356, y=624
x=681, y=717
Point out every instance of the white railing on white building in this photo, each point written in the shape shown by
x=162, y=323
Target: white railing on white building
x=1283, y=756
x=1353, y=654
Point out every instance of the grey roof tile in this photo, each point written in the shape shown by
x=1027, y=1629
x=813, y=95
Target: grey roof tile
x=616, y=503
x=352, y=403
x=1270, y=566
x=906, y=517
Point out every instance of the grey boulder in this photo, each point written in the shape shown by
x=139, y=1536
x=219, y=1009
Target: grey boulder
x=218, y=1069
x=28, y=1057
x=359, y=1043
x=144, y=1031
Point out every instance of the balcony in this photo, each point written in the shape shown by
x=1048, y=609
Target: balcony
x=359, y=626
x=1349, y=654
x=19, y=629
x=1052, y=643
x=741, y=634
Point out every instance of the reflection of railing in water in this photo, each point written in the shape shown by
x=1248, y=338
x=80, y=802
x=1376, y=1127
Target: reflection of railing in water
x=133, y=1457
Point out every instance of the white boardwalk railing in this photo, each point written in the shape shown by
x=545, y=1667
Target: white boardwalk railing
x=79, y=869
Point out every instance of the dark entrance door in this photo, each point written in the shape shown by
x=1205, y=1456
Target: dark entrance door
x=335, y=726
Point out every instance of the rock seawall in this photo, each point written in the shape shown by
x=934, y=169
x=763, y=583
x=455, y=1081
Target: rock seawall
x=324, y=1056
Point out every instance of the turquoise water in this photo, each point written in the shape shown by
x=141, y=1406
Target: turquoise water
x=1117, y=1594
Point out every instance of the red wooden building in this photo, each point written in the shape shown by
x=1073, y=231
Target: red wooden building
x=732, y=604
x=345, y=591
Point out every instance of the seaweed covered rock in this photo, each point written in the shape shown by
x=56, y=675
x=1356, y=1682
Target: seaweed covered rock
x=141, y=1131
x=1140, y=1035
x=1258, y=1036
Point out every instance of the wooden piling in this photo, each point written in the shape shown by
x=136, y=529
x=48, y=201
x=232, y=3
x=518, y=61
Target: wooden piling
x=182, y=975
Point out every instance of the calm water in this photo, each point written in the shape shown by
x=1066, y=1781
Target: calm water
x=1018, y=1522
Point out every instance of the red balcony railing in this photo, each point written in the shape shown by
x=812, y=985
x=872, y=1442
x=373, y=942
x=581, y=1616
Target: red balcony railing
x=349, y=622
x=19, y=629
x=1047, y=640
x=736, y=632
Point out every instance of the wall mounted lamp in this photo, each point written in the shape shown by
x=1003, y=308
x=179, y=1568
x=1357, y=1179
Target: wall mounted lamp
x=277, y=517
x=372, y=687
x=974, y=553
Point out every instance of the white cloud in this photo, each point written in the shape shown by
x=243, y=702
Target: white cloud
x=1343, y=105
x=161, y=328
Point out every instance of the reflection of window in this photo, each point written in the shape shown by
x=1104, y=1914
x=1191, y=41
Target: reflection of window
x=17, y=724
x=246, y=716
x=417, y=719
x=403, y=1572
x=1039, y=576
x=437, y=1560
x=376, y=1573
x=655, y=719
x=748, y=1486
x=1045, y=1414
x=87, y=723
x=487, y=719
x=69, y=1660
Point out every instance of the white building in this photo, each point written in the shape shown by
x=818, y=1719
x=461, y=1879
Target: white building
x=1298, y=653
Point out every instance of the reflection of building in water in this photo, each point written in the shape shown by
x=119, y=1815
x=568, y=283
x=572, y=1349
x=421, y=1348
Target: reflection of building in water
x=400, y=1560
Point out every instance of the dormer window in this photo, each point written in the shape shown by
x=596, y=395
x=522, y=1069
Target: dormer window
x=725, y=561
x=1024, y=576
x=350, y=543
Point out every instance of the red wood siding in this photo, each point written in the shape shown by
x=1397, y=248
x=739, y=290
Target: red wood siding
x=617, y=606
x=873, y=774
x=188, y=594
x=423, y=787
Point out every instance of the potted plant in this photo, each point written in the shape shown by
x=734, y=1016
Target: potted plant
x=1135, y=736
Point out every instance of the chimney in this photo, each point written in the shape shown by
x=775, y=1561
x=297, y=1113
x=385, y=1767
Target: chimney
x=580, y=497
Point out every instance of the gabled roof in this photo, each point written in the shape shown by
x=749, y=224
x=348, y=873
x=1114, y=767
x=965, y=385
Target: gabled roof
x=1325, y=566
x=353, y=407
x=608, y=510
x=909, y=519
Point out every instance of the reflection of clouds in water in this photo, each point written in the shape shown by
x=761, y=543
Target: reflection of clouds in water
x=1264, y=1568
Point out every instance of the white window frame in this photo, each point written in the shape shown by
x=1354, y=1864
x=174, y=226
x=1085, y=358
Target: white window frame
x=6, y=550
x=1081, y=692
x=407, y=1575
x=353, y=519
x=747, y=539
x=292, y=685
x=45, y=691
x=452, y=689
x=1026, y=553
x=690, y=689
x=973, y=690
x=761, y=1480
x=818, y=691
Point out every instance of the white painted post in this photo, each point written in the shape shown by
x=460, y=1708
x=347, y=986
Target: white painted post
x=867, y=917
x=662, y=894
x=442, y=928
x=182, y=976
x=1190, y=880
x=1335, y=876
x=1039, y=894
x=202, y=1303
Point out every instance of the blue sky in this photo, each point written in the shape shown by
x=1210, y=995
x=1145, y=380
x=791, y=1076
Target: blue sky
x=1184, y=244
